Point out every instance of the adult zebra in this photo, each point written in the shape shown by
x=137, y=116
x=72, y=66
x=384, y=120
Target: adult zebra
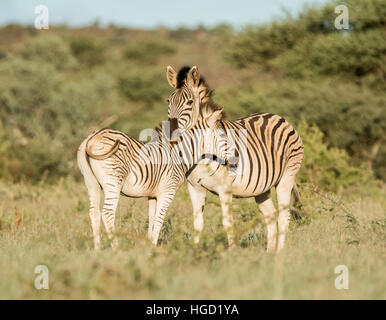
x=269, y=153
x=121, y=164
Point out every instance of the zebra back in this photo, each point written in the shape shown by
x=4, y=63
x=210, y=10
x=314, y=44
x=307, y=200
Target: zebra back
x=267, y=147
x=148, y=163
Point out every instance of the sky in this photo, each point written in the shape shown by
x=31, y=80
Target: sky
x=150, y=13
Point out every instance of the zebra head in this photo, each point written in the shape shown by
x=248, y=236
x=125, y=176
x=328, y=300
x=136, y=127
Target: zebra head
x=215, y=142
x=206, y=141
x=184, y=102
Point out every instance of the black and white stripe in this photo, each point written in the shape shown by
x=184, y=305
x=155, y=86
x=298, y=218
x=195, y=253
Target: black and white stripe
x=132, y=168
x=119, y=164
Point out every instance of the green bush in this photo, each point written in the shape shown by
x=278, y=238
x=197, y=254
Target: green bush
x=326, y=167
x=182, y=34
x=143, y=85
x=366, y=14
x=258, y=45
x=148, y=51
x=44, y=115
x=24, y=87
x=353, y=54
x=49, y=49
x=58, y=86
x=88, y=51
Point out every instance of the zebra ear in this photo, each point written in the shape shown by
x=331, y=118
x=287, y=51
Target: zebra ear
x=194, y=77
x=214, y=117
x=171, y=76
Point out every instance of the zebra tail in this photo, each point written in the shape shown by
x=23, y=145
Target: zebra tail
x=106, y=155
x=90, y=180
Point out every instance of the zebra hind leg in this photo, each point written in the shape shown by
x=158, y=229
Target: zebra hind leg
x=268, y=210
x=108, y=213
x=152, y=210
x=197, y=195
x=163, y=202
x=227, y=218
x=95, y=214
x=283, y=190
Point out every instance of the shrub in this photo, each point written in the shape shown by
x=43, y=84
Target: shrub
x=366, y=14
x=182, y=34
x=88, y=51
x=326, y=167
x=353, y=54
x=146, y=86
x=44, y=116
x=148, y=51
x=258, y=45
x=49, y=49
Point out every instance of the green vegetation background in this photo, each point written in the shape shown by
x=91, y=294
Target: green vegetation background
x=58, y=85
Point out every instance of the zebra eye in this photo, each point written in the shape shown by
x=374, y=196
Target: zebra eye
x=190, y=102
x=167, y=100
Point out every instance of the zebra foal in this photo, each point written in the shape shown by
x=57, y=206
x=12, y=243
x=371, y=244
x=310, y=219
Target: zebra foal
x=119, y=164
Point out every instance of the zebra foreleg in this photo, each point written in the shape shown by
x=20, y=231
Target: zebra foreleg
x=227, y=218
x=152, y=210
x=268, y=210
x=197, y=195
x=284, y=189
x=162, y=206
x=108, y=214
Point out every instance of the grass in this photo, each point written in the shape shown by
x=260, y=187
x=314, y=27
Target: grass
x=49, y=225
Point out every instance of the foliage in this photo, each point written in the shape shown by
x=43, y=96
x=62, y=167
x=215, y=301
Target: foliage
x=137, y=85
x=262, y=43
x=353, y=54
x=327, y=167
x=148, y=51
x=87, y=50
x=49, y=49
x=58, y=86
x=42, y=116
x=258, y=45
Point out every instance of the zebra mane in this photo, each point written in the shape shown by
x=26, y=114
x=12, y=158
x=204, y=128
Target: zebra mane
x=208, y=107
x=206, y=93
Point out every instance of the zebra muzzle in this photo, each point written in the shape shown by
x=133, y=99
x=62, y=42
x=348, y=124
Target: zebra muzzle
x=174, y=132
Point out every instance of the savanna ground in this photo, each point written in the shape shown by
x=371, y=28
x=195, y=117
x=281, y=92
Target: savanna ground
x=50, y=226
x=58, y=85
